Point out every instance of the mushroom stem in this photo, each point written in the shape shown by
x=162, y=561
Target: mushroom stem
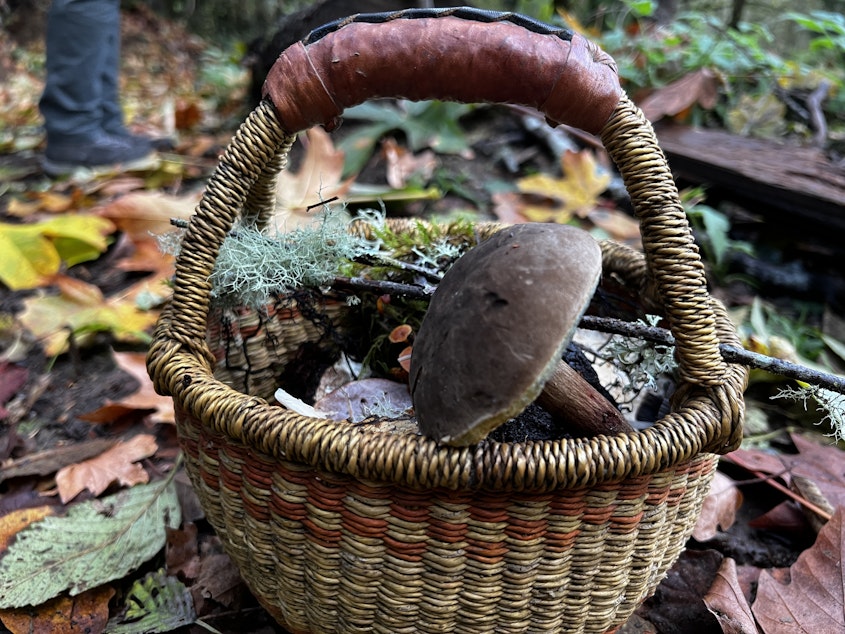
x=569, y=397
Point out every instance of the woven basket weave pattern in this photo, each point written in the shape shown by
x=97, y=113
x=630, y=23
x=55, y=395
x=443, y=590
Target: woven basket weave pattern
x=366, y=556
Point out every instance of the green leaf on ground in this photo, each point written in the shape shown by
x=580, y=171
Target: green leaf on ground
x=95, y=542
x=156, y=603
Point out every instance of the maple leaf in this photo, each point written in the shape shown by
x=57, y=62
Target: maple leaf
x=812, y=600
x=32, y=253
x=81, y=309
x=574, y=194
x=318, y=178
x=118, y=464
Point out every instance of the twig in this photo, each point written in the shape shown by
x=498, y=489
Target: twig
x=730, y=353
x=429, y=274
x=412, y=291
x=814, y=105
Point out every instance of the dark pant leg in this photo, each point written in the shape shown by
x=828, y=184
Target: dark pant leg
x=78, y=35
x=112, y=113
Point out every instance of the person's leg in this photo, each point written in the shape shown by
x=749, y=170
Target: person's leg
x=78, y=33
x=78, y=48
x=110, y=85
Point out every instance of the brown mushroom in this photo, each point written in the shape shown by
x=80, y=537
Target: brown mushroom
x=495, y=332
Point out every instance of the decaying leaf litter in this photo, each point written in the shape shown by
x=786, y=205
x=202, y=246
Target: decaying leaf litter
x=86, y=439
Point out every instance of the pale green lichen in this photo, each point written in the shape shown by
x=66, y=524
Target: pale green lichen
x=253, y=266
x=831, y=404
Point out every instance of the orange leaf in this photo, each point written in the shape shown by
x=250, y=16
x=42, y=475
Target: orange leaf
x=13, y=523
x=84, y=613
x=726, y=601
x=143, y=215
x=135, y=364
x=117, y=464
x=701, y=87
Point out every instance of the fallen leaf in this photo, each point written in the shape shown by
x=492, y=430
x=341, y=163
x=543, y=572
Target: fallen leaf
x=145, y=397
x=727, y=602
x=317, y=179
x=576, y=193
x=12, y=523
x=698, y=87
x=46, y=462
x=182, y=553
x=83, y=614
x=117, y=464
x=94, y=542
x=618, y=225
x=812, y=599
x=34, y=252
x=146, y=214
x=156, y=603
x=404, y=166
x=719, y=508
x=12, y=378
x=81, y=309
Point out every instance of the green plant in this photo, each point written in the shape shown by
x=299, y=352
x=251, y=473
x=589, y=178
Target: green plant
x=432, y=124
x=713, y=228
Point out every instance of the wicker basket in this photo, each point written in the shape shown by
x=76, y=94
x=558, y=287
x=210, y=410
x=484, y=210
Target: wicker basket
x=340, y=529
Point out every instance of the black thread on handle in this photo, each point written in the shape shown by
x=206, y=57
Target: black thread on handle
x=464, y=13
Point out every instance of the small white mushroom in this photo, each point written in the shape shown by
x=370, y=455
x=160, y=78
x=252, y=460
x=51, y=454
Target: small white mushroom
x=494, y=334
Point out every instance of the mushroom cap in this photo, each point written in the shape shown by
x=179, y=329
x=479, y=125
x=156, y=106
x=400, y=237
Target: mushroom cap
x=497, y=326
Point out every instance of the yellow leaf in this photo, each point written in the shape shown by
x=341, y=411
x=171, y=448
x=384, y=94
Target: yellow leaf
x=577, y=190
x=28, y=257
x=32, y=253
x=80, y=308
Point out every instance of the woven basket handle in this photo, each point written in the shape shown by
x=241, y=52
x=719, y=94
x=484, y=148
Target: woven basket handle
x=464, y=55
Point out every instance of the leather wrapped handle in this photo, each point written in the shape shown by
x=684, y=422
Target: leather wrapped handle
x=461, y=54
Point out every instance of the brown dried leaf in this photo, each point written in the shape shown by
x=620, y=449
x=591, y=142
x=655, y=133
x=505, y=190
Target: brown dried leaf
x=812, y=600
x=144, y=215
x=403, y=165
x=700, y=86
x=117, y=464
x=727, y=602
x=134, y=364
x=85, y=613
x=317, y=179
x=719, y=508
x=182, y=553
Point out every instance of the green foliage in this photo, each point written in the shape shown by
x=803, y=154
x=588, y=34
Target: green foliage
x=156, y=603
x=749, y=59
x=714, y=228
x=95, y=542
x=425, y=124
